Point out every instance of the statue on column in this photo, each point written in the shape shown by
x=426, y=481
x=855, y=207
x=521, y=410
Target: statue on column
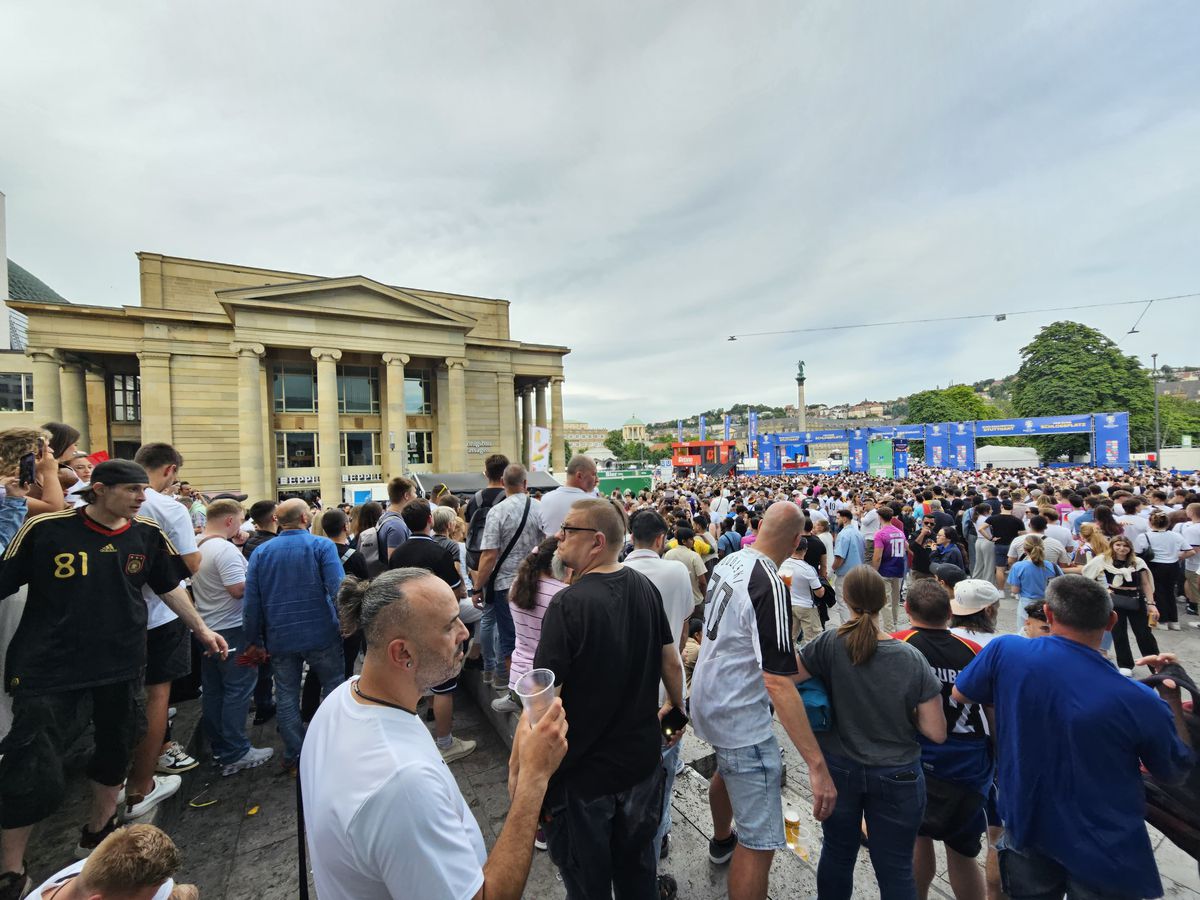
x=800, y=372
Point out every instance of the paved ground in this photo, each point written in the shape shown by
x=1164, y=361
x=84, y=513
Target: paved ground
x=243, y=845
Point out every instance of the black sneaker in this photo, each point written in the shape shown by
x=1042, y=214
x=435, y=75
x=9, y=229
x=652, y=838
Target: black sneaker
x=15, y=885
x=90, y=840
x=667, y=888
x=720, y=852
x=665, y=850
x=264, y=715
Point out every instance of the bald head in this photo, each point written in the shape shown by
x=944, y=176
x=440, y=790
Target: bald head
x=780, y=531
x=291, y=513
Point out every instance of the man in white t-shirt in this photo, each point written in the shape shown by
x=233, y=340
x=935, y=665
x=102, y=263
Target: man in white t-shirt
x=649, y=531
x=1191, y=566
x=385, y=816
x=804, y=584
x=580, y=485
x=168, y=644
x=747, y=664
x=218, y=587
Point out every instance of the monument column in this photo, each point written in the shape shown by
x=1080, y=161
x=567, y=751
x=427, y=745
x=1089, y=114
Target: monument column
x=541, y=404
x=74, y=397
x=456, y=371
x=155, y=369
x=506, y=404
x=526, y=423
x=395, y=424
x=329, y=438
x=558, y=456
x=47, y=392
x=801, y=412
x=252, y=470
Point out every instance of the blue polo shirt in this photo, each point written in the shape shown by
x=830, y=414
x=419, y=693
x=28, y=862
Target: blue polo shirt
x=1070, y=733
x=849, y=546
x=1030, y=579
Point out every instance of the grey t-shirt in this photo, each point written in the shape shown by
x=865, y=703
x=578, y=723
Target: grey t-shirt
x=503, y=518
x=873, y=703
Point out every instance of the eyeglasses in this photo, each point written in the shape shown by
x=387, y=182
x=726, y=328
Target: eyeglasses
x=570, y=528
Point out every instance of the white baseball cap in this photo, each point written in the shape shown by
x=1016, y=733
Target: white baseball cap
x=973, y=594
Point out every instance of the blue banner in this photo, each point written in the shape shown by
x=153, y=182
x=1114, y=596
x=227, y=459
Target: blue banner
x=909, y=432
x=1036, y=425
x=900, y=458
x=727, y=426
x=680, y=426
x=1112, y=439
x=752, y=431
x=829, y=436
x=703, y=428
x=962, y=445
x=937, y=446
x=858, y=449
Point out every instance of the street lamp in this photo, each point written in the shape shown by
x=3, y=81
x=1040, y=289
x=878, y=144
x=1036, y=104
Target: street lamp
x=1157, y=436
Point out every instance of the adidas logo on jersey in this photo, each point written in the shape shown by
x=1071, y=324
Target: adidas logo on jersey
x=108, y=548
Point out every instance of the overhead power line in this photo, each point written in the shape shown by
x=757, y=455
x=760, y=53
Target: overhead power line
x=999, y=317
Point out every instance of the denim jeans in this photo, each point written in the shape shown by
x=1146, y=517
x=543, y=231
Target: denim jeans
x=1028, y=875
x=264, y=690
x=328, y=663
x=670, y=759
x=892, y=798
x=226, y=699
x=604, y=846
x=497, y=634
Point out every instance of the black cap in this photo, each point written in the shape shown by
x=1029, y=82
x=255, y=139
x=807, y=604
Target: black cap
x=948, y=572
x=119, y=471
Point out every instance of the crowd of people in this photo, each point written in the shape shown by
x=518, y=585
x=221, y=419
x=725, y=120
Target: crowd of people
x=855, y=617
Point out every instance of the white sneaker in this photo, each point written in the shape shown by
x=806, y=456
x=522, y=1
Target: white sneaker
x=175, y=761
x=251, y=759
x=1173, y=626
x=457, y=750
x=164, y=786
x=505, y=704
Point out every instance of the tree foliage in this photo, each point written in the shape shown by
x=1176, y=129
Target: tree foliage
x=627, y=451
x=953, y=404
x=1069, y=368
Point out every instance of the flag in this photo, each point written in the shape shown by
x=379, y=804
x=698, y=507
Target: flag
x=703, y=428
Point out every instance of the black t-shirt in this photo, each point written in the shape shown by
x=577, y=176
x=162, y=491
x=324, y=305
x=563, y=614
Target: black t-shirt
x=85, y=620
x=948, y=654
x=424, y=552
x=1005, y=527
x=353, y=562
x=602, y=637
x=920, y=553
x=489, y=495
x=256, y=540
x=815, y=551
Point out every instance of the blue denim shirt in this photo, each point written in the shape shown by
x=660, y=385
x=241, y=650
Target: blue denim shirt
x=291, y=586
x=12, y=517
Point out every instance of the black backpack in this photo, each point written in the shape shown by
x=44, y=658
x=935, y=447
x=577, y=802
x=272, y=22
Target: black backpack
x=477, y=524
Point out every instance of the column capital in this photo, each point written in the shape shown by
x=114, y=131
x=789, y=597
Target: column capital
x=154, y=357
x=248, y=349
x=40, y=355
x=556, y=380
x=396, y=359
x=72, y=367
x=456, y=362
x=320, y=353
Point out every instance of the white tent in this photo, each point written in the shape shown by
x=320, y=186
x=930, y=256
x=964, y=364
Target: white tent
x=1006, y=457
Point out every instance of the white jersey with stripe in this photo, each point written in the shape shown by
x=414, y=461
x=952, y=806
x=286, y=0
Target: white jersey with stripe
x=747, y=631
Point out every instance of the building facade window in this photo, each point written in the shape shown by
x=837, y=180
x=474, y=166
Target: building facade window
x=360, y=448
x=16, y=392
x=296, y=449
x=418, y=393
x=420, y=448
x=295, y=388
x=358, y=389
x=126, y=398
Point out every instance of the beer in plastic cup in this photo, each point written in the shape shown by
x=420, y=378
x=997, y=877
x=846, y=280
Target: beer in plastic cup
x=803, y=843
x=791, y=828
x=536, y=690
x=786, y=576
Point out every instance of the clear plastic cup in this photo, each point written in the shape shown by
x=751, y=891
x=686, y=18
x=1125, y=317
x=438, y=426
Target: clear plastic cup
x=803, y=846
x=791, y=828
x=536, y=690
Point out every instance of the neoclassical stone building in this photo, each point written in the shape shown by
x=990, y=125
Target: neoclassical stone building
x=274, y=381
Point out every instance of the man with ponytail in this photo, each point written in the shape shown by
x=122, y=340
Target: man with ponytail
x=384, y=813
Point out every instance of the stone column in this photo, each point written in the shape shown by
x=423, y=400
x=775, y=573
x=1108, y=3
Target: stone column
x=558, y=454
x=526, y=424
x=506, y=404
x=395, y=418
x=96, y=387
x=329, y=438
x=252, y=469
x=456, y=455
x=540, y=401
x=47, y=393
x=74, y=397
x=155, y=369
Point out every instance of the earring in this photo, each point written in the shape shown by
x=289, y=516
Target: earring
x=408, y=664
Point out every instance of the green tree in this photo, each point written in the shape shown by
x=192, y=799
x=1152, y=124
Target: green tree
x=614, y=442
x=953, y=404
x=567, y=451
x=1177, y=416
x=634, y=450
x=1069, y=368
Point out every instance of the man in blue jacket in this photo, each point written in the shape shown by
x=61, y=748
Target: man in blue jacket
x=289, y=611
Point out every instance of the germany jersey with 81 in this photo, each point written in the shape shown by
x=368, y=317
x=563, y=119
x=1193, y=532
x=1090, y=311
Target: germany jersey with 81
x=747, y=631
x=85, y=620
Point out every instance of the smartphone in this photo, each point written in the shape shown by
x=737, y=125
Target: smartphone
x=25, y=469
x=673, y=721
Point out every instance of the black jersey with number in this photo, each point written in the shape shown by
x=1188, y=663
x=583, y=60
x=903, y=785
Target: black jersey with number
x=85, y=618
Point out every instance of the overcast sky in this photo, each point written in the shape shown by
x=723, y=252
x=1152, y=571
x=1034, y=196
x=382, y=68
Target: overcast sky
x=640, y=180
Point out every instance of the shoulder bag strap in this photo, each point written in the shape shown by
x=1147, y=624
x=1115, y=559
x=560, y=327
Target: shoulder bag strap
x=512, y=543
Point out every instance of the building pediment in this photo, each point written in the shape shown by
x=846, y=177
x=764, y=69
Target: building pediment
x=355, y=296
